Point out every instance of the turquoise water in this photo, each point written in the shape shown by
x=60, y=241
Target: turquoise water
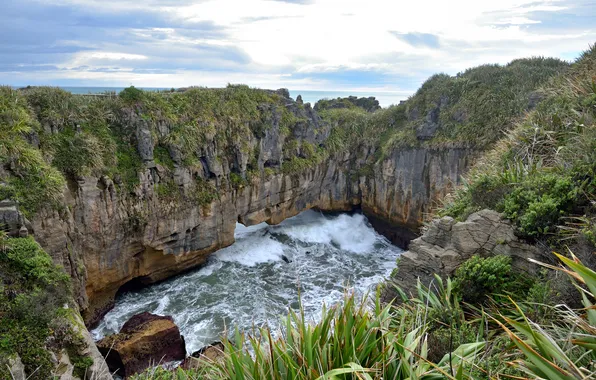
x=384, y=98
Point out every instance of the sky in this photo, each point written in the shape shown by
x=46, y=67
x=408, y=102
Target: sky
x=384, y=46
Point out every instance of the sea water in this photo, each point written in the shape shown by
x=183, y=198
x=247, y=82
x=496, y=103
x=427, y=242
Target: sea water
x=312, y=258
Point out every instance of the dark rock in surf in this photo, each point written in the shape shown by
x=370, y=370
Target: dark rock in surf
x=145, y=340
x=286, y=259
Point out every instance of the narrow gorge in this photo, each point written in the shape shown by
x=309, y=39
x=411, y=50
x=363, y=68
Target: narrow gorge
x=132, y=189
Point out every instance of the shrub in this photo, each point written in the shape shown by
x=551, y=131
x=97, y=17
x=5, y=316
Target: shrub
x=478, y=278
x=537, y=204
x=32, y=293
x=203, y=192
x=237, y=181
x=77, y=154
x=131, y=95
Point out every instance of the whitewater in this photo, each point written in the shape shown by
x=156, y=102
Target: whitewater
x=312, y=258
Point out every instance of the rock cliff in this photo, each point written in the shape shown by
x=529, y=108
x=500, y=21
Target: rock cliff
x=446, y=244
x=166, y=215
x=106, y=241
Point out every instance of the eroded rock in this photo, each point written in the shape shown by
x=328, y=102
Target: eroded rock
x=145, y=340
x=210, y=353
x=446, y=244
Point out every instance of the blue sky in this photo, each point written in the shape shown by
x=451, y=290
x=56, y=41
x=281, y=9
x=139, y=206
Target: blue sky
x=333, y=45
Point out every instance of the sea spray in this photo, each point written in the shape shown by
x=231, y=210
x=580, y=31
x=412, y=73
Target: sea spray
x=250, y=283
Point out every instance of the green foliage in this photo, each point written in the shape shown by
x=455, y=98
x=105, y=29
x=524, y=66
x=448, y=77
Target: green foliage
x=131, y=95
x=76, y=154
x=369, y=104
x=537, y=204
x=32, y=293
x=168, y=190
x=81, y=364
x=350, y=339
x=444, y=340
x=478, y=278
x=203, y=193
x=34, y=183
x=237, y=181
x=541, y=175
x=162, y=157
x=565, y=349
x=129, y=164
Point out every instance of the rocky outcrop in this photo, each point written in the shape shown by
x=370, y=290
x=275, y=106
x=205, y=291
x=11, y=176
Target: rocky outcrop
x=145, y=340
x=207, y=354
x=105, y=240
x=108, y=236
x=446, y=244
x=14, y=366
x=99, y=369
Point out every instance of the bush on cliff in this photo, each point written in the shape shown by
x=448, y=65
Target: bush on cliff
x=478, y=278
x=541, y=176
x=33, y=321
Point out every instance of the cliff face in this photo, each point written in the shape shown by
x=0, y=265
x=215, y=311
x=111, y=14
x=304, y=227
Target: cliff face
x=143, y=186
x=106, y=241
x=446, y=244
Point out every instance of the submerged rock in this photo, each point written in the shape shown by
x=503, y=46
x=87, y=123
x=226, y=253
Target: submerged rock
x=145, y=340
x=210, y=353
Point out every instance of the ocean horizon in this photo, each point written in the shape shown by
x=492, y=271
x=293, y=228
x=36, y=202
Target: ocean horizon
x=385, y=98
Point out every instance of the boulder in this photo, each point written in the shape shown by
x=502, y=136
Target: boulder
x=14, y=365
x=446, y=244
x=210, y=353
x=144, y=341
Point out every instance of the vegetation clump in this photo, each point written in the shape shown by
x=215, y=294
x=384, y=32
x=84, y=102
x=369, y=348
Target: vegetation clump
x=33, y=318
x=541, y=175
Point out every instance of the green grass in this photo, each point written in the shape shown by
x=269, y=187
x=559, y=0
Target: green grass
x=433, y=335
x=541, y=175
x=33, y=321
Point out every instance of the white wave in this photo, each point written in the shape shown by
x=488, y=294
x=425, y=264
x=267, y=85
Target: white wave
x=242, y=231
x=248, y=284
x=349, y=232
x=162, y=305
x=252, y=250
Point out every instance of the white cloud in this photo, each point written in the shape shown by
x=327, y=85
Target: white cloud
x=326, y=33
x=112, y=56
x=302, y=45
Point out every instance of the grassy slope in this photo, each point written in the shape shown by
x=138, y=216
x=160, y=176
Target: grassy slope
x=473, y=109
x=541, y=176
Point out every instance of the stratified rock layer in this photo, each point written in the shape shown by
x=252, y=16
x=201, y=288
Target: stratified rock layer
x=446, y=244
x=106, y=240
x=145, y=340
x=107, y=235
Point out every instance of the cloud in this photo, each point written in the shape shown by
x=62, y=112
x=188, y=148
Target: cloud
x=311, y=44
x=419, y=39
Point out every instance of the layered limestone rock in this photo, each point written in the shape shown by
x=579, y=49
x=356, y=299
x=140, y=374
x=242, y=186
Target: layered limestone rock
x=208, y=354
x=106, y=240
x=446, y=244
x=108, y=236
x=144, y=341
